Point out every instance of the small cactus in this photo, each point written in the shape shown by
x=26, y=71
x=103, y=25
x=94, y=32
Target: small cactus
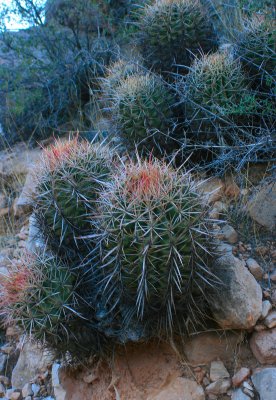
x=154, y=238
x=144, y=113
x=69, y=182
x=255, y=46
x=172, y=32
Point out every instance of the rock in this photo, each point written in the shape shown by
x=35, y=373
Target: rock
x=3, y=360
x=35, y=242
x=28, y=398
x=272, y=276
x=206, y=347
x=35, y=389
x=229, y=234
x=237, y=302
x=212, y=189
x=219, y=387
x=5, y=380
x=219, y=208
x=240, y=376
x=10, y=392
x=27, y=390
x=239, y=395
x=59, y=392
x=16, y=396
x=270, y=320
x=263, y=346
x=255, y=269
x=180, y=389
x=231, y=188
x=31, y=361
x=265, y=383
x=224, y=248
x=2, y=390
x=218, y=371
x=262, y=207
x=23, y=205
x=266, y=307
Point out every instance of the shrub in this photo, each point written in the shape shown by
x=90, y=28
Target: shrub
x=69, y=183
x=154, y=240
x=172, y=32
x=144, y=113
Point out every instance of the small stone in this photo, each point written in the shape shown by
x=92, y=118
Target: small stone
x=9, y=393
x=90, y=378
x=266, y=307
x=35, y=389
x=270, y=320
x=272, y=276
x=240, y=376
x=5, y=380
x=206, y=381
x=212, y=189
x=263, y=346
x=16, y=396
x=229, y=234
x=218, y=371
x=27, y=390
x=259, y=327
x=255, y=269
x=219, y=387
x=248, y=392
x=265, y=383
x=262, y=206
x=239, y=395
x=224, y=248
x=231, y=188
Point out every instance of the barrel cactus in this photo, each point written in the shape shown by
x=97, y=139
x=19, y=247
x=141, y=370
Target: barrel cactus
x=154, y=244
x=144, y=113
x=255, y=47
x=70, y=179
x=216, y=95
x=172, y=32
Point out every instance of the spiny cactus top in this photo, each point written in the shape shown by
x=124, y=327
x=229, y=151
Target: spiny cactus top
x=154, y=239
x=172, y=31
x=69, y=181
x=143, y=109
x=256, y=48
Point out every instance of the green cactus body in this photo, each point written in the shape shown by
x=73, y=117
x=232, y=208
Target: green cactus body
x=154, y=237
x=172, y=32
x=143, y=109
x=216, y=94
x=68, y=190
x=255, y=46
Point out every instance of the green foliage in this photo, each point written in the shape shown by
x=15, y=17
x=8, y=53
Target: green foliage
x=172, y=32
x=255, y=47
x=69, y=184
x=154, y=236
x=143, y=110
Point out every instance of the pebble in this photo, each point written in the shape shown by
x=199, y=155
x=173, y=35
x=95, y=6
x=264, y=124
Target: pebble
x=266, y=307
x=219, y=387
x=16, y=396
x=270, y=320
x=255, y=269
x=272, y=276
x=218, y=371
x=240, y=376
x=229, y=234
x=27, y=390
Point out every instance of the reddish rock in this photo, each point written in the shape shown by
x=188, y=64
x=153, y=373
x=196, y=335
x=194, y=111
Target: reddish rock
x=255, y=269
x=263, y=346
x=240, y=376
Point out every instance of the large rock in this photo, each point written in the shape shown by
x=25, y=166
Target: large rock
x=263, y=346
x=207, y=347
x=180, y=389
x=237, y=302
x=265, y=383
x=262, y=206
x=31, y=361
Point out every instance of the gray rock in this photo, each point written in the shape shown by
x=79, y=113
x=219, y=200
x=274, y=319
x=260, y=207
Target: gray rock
x=265, y=383
x=218, y=371
x=266, y=307
x=237, y=302
x=239, y=395
x=27, y=390
x=255, y=269
x=270, y=320
x=263, y=346
x=262, y=207
x=219, y=387
x=3, y=360
x=31, y=361
x=23, y=204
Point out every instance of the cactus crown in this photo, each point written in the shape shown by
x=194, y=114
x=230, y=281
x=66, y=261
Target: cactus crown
x=172, y=31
